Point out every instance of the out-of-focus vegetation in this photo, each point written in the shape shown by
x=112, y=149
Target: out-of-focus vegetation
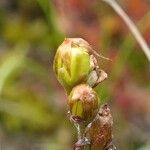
x=32, y=103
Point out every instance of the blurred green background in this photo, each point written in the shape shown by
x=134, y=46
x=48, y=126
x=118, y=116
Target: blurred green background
x=33, y=109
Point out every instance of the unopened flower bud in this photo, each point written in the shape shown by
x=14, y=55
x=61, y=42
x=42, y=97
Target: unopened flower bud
x=75, y=63
x=83, y=102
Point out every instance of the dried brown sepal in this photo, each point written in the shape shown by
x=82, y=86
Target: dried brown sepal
x=96, y=75
x=81, y=42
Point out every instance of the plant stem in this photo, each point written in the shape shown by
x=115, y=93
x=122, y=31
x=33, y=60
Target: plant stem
x=131, y=26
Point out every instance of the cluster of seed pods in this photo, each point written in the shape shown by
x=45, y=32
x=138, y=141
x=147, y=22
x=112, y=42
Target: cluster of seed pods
x=76, y=68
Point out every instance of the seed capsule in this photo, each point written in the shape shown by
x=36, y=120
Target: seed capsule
x=75, y=63
x=83, y=102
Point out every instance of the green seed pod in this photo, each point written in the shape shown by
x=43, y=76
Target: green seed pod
x=83, y=102
x=71, y=64
x=75, y=63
